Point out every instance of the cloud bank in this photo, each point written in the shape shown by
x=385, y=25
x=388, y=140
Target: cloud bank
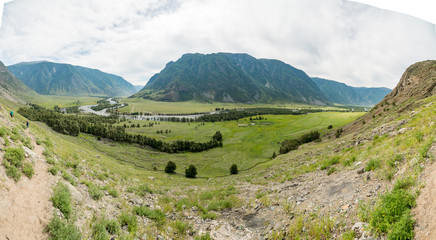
x=335, y=39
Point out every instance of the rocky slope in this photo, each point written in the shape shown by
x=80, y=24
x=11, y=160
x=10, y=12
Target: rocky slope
x=226, y=77
x=343, y=94
x=49, y=78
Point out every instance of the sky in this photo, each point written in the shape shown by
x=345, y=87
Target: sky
x=341, y=40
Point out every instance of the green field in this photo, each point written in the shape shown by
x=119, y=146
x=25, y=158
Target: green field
x=63, y=101
x=244, y=146
x=144, y=105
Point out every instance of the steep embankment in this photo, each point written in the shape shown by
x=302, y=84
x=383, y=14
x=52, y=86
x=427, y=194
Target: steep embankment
x=67, y=80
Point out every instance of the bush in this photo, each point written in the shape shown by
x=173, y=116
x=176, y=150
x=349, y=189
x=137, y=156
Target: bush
x=331, y=170
x=234, y=169
x=112, y=226
x=390, y=210
x=99, y=231
x=372, y=165
x=191, y=171
x=218, y=136
x=403, y=229
x=292, y=144
x=129, y=221
x=3, y=131
x=171, y=167
x=68, y=177
x=61, y=230
x=330, y=127
x=15, y=156
x=53, y=170
x=28, y=170
x=13, y=173
x=61, y=199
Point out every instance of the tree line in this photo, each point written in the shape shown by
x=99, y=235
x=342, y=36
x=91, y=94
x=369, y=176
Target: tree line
x=292, y=144
x=104, y=127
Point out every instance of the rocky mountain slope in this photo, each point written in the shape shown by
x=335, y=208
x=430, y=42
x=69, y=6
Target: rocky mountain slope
x=226, y=77
x=341, y=93
x=49, y=78
x=12, y=88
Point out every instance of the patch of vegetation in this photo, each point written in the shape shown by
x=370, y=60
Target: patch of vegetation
x=53, y=170
x=393, y=209
x=155, y=214
x=292, y=144
x=234, y=169
x=59, y=229
x=28, y=170
x=373, y=164
x=171, y=167
x=95, y=192
x=327, y=163
x=129, y=221
x=191, y=171
x=331, y=170
x=181, y=228
x=61, y=199
x=140, y=190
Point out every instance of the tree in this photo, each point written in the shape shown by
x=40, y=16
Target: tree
x=171, y=167
x=191, y=171
x=218, y=136
x=234, y=169
x=274, y=155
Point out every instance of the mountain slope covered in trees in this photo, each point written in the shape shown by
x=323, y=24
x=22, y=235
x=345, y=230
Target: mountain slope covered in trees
x=49, y=78
x=341, y=93
x=227, y=77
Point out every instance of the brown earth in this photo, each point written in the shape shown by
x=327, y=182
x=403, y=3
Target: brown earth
x=25, y=207
x=425, y=211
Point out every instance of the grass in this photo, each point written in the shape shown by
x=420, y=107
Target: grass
x=243, y=146
x=129, y=221
x=59, y=229
x=61, y=199
x=155, y=214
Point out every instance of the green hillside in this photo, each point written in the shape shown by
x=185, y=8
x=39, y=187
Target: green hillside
x=226, y=77
x=12, y=88
x=49, y=78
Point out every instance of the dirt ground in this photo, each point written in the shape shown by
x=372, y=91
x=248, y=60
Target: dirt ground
x=25, y=207
x=425, y=211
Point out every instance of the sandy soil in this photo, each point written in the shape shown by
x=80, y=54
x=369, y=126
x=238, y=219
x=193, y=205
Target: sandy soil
x=25, y=208
x=425, y=211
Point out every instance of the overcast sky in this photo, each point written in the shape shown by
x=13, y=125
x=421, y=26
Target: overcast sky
x=340, y=40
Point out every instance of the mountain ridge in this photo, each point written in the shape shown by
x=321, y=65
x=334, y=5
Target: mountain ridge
x=229, y=77
x=49, y=78
x=342, y=93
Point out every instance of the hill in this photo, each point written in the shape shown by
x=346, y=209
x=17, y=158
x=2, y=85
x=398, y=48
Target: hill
x=12, y=88
x=227, y=77
x=341, y=93
x=49, y=78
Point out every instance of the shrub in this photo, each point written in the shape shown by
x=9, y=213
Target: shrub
x=339, y=132
x=3, y=131
x=99, y=231
x=326, y=164
x=113, y=193
x=403, y=229
x=13, y=173
x=143, y=189
x=372, y=165
x=61, y=199
x=218, y=136
x=330, y=127
x=292, y=144
x=112, y=226
x=129, y=221
x=234, y=169
x=205, y=236
x=61, y=230
x=28, y=170
x=392, y=206
x=95, y=192
x=68, y=177
x=15, y=156
x=171, y=167
x=191, y=171
x=53, y=170
x=181, y=228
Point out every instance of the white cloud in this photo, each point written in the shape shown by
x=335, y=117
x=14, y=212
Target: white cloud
x=335, y=39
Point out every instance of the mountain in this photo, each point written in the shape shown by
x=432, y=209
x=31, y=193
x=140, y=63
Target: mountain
x=64, y=79
x=12, y=88
x=138, y=87
x=343, y=94
x=227, y=77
